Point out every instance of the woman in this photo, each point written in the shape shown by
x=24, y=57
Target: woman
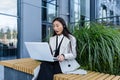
x=63, y=46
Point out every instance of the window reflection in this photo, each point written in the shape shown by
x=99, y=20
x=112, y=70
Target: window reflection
x=49, y=12
x=77, y=10
x=52, y=1
x=8, y=6
x=8, y=29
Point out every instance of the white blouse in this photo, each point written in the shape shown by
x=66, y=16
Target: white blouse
x=59, y=39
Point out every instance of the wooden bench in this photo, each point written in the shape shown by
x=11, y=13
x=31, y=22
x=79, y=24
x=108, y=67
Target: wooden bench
x=27, y=66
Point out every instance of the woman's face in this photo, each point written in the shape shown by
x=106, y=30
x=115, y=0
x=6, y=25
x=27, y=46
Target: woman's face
x=57, y=27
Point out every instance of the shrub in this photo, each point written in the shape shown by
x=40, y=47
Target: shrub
x=98, y=48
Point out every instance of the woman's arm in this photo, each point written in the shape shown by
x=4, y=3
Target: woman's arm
x=71, y=51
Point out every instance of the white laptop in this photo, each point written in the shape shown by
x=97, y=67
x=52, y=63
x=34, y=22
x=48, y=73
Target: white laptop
x=40, y=51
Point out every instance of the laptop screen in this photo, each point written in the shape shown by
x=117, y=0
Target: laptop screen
x=39, y=51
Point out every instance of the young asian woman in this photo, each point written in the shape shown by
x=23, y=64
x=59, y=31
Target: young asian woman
x=63, y=46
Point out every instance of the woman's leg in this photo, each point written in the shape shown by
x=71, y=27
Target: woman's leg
x=46, y=71
x=57, y=68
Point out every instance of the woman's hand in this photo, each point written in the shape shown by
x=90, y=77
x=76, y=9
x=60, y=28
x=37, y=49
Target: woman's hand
x=60, y=57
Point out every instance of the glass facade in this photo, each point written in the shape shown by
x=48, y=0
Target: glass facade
x=49, y=12
x=108, y=12
x=77, y=10
x=8, y=7
x=8, y=29
x=80, y=12
x=75, y=13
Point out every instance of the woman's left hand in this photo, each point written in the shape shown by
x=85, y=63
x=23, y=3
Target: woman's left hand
x=60, y=58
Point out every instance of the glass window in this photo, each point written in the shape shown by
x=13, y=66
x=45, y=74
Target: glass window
x=44, y=12
x=8, y=29
x=52, y=1
x=77, y=10
x=49, y=12
x=8, y=7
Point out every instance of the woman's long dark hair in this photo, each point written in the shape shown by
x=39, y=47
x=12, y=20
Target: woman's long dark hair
x=65, y=32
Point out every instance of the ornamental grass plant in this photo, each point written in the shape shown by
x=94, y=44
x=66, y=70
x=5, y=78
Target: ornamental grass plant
x=98, y=48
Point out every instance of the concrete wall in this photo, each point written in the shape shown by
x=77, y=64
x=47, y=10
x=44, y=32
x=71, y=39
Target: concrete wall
x=30, y=29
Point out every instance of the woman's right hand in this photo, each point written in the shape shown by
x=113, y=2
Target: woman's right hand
x=60, y=58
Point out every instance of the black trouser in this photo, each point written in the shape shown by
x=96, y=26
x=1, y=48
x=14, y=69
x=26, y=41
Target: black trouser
x=48, y=69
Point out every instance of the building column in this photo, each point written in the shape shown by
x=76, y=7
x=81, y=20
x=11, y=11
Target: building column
x=71, y=11
x=92, y=10
x=29, y=29
x=63, y=9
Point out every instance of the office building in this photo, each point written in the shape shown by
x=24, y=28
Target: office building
x=30, y=20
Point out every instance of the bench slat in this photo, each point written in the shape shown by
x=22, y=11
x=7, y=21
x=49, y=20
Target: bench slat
x=90, y=76
x=96, y=77
x=110, y=77
x=84, y=76
x=116, y=78
x=103, y=77
x=75, y=77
